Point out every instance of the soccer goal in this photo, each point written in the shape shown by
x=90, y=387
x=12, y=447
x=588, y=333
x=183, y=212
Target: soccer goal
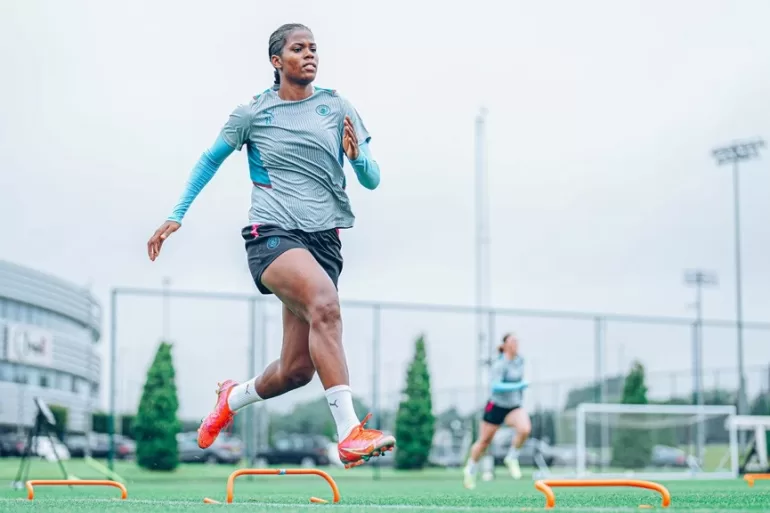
x=649, y=441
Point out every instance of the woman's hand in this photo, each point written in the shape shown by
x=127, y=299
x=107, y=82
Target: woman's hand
x=159, y=237
x=349, y=140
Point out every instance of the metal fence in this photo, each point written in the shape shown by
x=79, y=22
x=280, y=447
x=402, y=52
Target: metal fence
x=221, y=336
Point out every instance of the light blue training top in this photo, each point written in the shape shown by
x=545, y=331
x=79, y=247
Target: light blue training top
x=507, y=382
x=295, y=157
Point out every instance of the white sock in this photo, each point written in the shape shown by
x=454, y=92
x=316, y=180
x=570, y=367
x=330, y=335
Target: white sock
x=340, y=399
x=471, y=466
x=513, y=453
x=243, y=395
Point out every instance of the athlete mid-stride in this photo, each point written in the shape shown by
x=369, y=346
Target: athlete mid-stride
x=504, y=406
x=296, y=136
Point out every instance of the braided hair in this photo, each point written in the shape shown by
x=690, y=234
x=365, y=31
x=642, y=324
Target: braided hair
x=278, y=41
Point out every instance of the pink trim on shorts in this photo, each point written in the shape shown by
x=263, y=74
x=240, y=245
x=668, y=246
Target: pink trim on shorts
x=255, y=230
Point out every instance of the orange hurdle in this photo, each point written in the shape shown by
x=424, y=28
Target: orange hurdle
x=750, y=478
x=73, y=482
x=544, y=486
x=279, y=472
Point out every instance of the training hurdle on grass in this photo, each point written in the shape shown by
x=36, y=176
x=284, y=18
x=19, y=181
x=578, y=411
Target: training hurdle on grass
x=73, y=482
x=544, y=486
x=750, y=478
x=279, y=472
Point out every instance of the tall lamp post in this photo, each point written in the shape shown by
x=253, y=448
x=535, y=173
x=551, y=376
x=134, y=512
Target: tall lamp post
x=733, y=154
x=699, y=278
x=482, y=246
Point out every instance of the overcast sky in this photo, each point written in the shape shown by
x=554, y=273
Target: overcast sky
x=602, y=187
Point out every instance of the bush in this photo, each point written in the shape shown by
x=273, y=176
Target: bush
x=414, y=420
x=100, y=422
x=60, y=414
x=632, y=448
x=127, y=425
x=156, y=424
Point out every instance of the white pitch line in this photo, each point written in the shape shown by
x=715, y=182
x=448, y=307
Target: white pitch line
x=378, y=506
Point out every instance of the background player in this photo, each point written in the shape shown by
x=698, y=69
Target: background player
x=295, y=137
x=504, y=405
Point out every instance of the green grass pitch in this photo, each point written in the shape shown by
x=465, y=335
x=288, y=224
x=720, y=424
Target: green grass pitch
x=430, y=491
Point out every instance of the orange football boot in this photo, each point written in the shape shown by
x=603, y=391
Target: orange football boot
x=361, y=444
x=219, y=418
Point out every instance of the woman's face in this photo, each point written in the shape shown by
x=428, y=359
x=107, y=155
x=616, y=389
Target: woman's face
x=511, y=345
x=299, y=58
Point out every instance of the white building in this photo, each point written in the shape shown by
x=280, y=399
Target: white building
x=49, y=331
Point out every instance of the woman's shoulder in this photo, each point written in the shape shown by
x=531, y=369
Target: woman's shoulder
x=332, y=93
x=260, y=98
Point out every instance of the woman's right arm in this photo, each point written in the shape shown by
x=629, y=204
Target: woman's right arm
x=204, y=170
x=233, y=136
x=201, y=174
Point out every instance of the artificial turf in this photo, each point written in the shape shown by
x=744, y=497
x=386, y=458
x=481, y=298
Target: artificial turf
x=434, y=490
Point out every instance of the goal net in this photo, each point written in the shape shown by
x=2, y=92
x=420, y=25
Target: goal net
x=650, y=441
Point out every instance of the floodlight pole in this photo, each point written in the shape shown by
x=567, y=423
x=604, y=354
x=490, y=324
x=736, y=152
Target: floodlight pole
x=113, y=370
x=699, y=278
x=733, y=154
x=482, y=251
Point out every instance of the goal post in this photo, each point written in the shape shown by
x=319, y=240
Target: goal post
x=652, y=441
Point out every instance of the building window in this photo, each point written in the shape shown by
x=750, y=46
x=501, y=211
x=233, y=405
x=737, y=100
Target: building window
x=13, y=311
x=63, y=381
x=26, y=314
x=44, y=380
x=6, y=371
x=32, y=375
x=20, y=374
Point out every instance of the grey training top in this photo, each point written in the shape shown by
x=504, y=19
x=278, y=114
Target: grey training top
x=295, y=158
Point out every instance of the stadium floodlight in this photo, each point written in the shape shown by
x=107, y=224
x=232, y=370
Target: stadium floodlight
x=734, y=154
x=652, y=441
x=739, y=151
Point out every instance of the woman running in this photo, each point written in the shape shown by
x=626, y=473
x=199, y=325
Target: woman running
x=504, y=405
x=295, y=136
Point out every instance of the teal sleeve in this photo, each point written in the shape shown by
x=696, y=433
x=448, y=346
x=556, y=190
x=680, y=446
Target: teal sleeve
x=366, y=168
x=501, y=386
x=201, y=174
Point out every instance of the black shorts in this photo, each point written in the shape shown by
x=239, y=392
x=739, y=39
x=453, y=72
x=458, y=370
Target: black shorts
x=495, y=414
x=266, y=242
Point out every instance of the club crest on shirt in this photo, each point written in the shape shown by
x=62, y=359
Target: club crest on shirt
x=323, y=110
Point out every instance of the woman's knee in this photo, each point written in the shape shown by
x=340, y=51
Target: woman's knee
x=522, y=425
x=483, y=443
x=325, y=310
x=299, y=374
x=486, y=436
